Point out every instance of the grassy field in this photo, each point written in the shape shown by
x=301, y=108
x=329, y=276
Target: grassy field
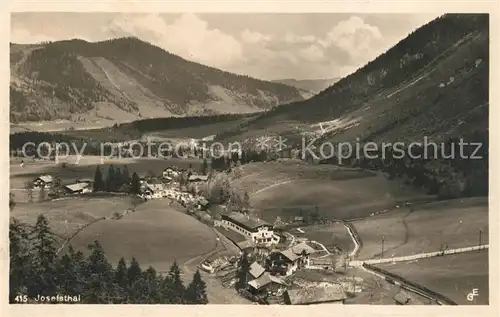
x=283, y=189
x=331, y=236
x=455, y=223
x=67, y=215
x=453, y=276
x=155, y=235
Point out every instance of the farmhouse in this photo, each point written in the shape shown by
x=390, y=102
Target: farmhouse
x=259, y=231
x=331, y=294
x=197, y=178
x=283, y=262
x=290, y=260
x=44, y=180
x=78, y=188
x=265, y=284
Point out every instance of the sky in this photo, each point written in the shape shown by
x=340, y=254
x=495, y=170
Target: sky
x=266, y=46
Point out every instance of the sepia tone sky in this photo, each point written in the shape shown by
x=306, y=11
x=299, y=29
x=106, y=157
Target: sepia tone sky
x=266, y=46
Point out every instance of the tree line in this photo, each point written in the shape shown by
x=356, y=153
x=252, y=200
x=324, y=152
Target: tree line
x=36, y=268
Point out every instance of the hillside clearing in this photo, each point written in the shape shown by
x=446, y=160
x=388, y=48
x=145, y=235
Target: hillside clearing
x=427, y=228
x=453, y=276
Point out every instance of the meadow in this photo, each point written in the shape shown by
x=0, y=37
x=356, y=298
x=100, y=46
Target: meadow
x=424, y=228
x=454, y=276
x=293, y=188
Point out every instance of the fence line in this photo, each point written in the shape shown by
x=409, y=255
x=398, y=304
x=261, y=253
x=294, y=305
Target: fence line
x=408, y=285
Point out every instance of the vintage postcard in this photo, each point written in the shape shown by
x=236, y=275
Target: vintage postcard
x=254, y=158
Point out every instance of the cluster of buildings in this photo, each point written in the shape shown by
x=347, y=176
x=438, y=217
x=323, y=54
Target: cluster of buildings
x=79, y=186
x=163, y=186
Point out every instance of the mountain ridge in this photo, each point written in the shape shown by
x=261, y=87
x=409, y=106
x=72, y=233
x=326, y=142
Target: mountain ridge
x=126, y=79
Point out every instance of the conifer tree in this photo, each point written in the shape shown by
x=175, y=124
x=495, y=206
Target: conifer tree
x=43, y=260
x=204, y=167
x=121, y=277
x=242, y=272
x=134, y=271
x=19, y=268
x=98, y=288
x=175, y=291
x=98, y=181
x=136, y=184
x=126, y=175
x=196, y=292
x=111, y=179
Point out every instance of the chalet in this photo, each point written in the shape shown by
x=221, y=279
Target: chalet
x=283, y=262
x=304, y=250
x=290, y=260
x=259, y=231
x=197, y=178
x=43, y=181
x=78, y=188
x=331, y=294
x=265, y=284
x=401, y=298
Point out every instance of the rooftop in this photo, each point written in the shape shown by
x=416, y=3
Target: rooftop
x=265, y=279
x=45, y=178
x=247, y=221
x=198, y=177
x=77, y=186
x=313, y=295
x=301, y=247
x=256, y=269
x=289, y=254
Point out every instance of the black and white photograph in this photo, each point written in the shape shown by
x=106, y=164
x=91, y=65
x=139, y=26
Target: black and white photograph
x=249, y=158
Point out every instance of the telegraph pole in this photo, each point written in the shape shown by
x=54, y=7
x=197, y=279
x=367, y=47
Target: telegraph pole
x=382, y=254
x=480, y=236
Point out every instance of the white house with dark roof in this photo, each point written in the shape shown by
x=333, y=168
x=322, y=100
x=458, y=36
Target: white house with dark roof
x=288, y=261
x=257, y=230
x=44, y=180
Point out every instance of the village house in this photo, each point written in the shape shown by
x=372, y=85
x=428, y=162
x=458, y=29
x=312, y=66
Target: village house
x=257, y=230
x=283, y=262
x=78, y=188
x=43, y=181
x=197, y=178
x=330, y=294
x=290, y=260
x=266, y=284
